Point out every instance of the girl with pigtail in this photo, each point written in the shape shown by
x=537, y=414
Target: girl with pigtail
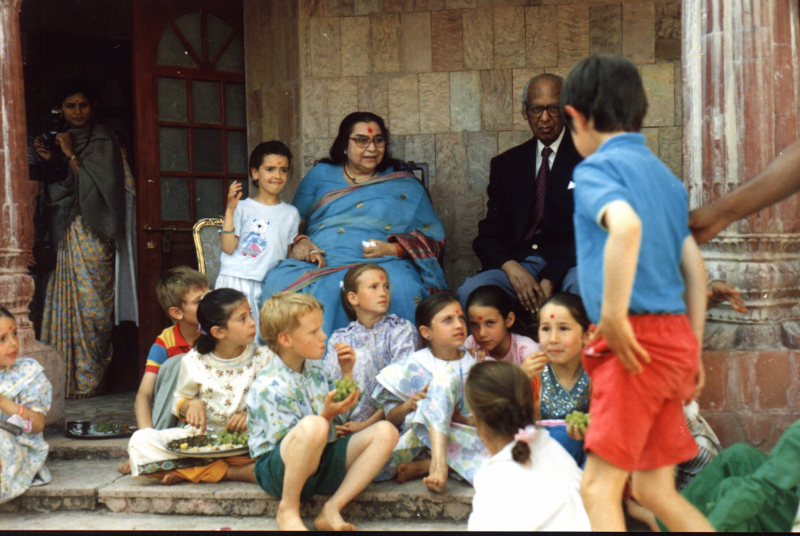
x=213, y=382
x=530, y=483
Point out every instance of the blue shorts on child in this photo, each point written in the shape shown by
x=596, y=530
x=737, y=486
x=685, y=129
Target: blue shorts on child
x=637, y=421
x=329, y=475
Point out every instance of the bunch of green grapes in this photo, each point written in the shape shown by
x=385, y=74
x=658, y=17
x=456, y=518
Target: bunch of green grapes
x=579, y=419
x=344, y=388
x=232, y=438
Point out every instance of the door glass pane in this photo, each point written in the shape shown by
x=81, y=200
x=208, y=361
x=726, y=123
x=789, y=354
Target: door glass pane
x=189, y=25
x=207, y=150
x=235, y=105
x=218, y=31
x=206, y=102
x=245, y=186
x=208, y=198
x=174, y=148
x=175, y=199
x=237, y=151
x=171, y=99
x=233, y=58
x=172, y=52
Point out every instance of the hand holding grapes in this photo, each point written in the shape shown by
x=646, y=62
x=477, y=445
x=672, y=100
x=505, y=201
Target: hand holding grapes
x=347, y=358
x=332, y=408
x=237, y=422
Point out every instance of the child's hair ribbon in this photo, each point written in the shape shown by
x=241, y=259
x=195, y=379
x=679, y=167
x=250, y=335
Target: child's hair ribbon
x=526, y=434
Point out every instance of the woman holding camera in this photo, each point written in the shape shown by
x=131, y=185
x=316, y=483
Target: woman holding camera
x=87, y=210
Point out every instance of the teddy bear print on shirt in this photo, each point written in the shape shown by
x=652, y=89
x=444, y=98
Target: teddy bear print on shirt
x=256, y=240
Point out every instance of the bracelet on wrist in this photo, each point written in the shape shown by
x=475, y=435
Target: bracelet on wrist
x=298, y=238
x=223, y=231
x=21, y=408
x=399, y=248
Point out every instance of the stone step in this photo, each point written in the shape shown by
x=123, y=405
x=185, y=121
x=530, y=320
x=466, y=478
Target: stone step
x=67, y=448
x=95, y=484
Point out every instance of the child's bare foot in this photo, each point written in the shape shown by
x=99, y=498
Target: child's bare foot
x=437, y=479
x=637, y=511
x=331, y=519
x=289, y=519
x=170, y=479
x=411, y=470
x=125, y=468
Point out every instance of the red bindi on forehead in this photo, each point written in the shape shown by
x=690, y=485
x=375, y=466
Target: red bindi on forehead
x=552, y=316
x=369, y=129
x=480, y=318
x=383, y=278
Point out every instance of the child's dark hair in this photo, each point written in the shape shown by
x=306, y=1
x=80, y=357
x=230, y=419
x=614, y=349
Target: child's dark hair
x=494, y=297
x=573, y=304
x=5, y=314
x=607, y=89
x=500, y=396
x=350, y=284
x=265, y=149
x=430, y=307
x=214, y=310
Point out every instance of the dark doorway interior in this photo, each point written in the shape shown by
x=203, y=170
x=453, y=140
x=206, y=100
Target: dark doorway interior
x=88, y=39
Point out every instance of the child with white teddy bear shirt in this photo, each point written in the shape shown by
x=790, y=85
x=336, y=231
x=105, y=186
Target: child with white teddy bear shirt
x=257, y=233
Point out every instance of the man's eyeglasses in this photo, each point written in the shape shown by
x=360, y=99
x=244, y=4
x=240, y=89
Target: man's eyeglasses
x=536, y=111
x=362, y=142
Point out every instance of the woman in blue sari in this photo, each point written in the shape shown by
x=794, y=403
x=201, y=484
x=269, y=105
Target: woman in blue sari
x=360, y=205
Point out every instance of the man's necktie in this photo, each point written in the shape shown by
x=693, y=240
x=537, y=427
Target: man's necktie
x=541, y=189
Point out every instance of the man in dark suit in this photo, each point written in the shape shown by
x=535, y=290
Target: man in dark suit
x=526, y=243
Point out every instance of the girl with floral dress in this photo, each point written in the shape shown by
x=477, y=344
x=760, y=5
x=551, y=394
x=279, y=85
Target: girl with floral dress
x=491, y=320
x=374, y=339
x=425, y=394
x=213, y=383
x=25, y=395
x=562, y=386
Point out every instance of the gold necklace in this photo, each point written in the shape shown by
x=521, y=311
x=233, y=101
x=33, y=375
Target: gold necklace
x=353, y=179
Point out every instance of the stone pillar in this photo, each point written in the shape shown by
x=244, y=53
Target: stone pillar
x=740, y=109
x=17, y=201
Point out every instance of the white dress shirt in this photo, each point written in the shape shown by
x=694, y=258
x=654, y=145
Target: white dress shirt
x=554, y=146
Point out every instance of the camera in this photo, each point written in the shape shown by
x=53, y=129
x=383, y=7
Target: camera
x=49, y=137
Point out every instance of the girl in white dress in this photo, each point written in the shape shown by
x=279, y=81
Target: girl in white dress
x=530, y=482
x=213, y=383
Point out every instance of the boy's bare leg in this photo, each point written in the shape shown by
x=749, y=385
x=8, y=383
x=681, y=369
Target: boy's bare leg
x=301, y=450
x=367, y=453
x=655, y=490
x=601, y=490
x=437, y=475
x=410, y=470
x=241, y=473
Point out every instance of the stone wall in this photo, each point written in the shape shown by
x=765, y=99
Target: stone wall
x=446, y=75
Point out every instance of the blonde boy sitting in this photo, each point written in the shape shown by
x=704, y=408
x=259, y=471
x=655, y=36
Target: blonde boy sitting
x=291, y=414
x=178, y=291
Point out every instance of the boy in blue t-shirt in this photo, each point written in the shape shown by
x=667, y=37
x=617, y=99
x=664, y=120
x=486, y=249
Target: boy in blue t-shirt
x=642, y=280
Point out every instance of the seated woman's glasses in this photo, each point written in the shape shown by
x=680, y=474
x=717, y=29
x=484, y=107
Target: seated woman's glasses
x=363, y=141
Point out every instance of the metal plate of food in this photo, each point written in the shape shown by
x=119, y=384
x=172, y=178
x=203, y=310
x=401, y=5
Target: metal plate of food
x=95, y=430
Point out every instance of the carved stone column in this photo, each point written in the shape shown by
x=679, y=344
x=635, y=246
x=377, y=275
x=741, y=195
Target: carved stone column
x=740, y=109
x=17, y=198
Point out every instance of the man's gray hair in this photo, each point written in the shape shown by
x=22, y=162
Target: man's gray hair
x=538, y=78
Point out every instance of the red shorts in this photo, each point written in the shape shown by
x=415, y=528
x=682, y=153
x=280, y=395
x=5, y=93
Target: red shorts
x=637, y=421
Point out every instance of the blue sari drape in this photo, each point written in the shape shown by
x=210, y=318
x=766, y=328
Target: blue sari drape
x=394, y=208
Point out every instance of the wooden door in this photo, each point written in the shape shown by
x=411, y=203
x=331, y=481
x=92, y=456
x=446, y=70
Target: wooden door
x=189, y=103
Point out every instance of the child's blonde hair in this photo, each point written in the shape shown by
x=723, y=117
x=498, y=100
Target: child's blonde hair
x=172, y=286
x=350, y=284
x=281, y=314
